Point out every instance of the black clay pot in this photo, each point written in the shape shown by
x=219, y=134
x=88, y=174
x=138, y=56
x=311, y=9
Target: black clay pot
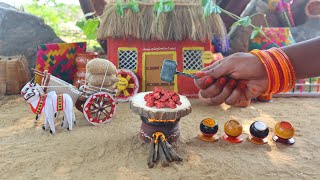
x=259, y=129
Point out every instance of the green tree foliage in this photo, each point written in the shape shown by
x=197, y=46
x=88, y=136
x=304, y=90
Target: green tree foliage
x=89, y=27
x=64, y=20
x=54, y=14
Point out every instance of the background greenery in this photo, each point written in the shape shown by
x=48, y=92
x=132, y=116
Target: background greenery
x=66, y=20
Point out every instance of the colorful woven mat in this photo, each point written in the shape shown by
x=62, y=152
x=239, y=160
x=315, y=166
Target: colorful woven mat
x=280, y=36
x=58, y=59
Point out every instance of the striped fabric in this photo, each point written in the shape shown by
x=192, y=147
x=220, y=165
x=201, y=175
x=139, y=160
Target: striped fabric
x=58, y=59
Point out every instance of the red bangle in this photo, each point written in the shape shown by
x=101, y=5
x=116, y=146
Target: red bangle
x=290, y=67
x=280, y=70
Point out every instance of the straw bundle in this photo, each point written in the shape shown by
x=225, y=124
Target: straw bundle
x=14, y=74
x=185, y=22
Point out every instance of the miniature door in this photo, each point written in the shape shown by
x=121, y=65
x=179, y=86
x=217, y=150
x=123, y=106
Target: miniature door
x=153, y=64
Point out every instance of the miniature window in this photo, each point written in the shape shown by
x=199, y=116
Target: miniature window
x=127, y=58
x=192, y=59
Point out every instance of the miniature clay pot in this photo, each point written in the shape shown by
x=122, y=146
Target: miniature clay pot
x=284, y=130
x=81, y=61
x=208, y=127
x=233, y=131
x=233, y=128
x=259, y=129
x=84, y=57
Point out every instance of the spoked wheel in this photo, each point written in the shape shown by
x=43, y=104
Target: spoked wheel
x=99, y=108
x=127, y=86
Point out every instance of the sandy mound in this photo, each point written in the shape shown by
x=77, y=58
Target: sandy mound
x=113, y=150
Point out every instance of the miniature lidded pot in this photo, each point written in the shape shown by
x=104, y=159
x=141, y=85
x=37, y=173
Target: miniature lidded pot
x=209, y=128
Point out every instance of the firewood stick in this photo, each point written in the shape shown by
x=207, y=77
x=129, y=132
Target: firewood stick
x=165, y=149
x=156, y=149
x=172, y=152
x=162, y=155
x=151, y=153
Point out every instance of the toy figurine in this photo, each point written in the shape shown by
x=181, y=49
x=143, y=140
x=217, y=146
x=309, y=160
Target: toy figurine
x=284, y=132
x=32, y=85
x=258, y=133
x=233, y=131
x=208, y=127
x=42, y=103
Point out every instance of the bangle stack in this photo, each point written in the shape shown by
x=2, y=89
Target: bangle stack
x=280, y=71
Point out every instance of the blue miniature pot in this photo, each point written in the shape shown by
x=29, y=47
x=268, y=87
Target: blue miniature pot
x=209, y=127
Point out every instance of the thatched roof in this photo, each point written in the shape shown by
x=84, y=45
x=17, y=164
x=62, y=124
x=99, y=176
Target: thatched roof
x=186, y=21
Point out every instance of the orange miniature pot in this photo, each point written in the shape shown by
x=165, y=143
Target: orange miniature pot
x=233, y=128
x=284, y=130
x=81, y=61
x=233, y=131
x=81, y=72
x=84, y=57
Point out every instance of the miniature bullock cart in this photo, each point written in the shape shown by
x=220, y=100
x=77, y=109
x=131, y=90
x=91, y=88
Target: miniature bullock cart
x=97, y=104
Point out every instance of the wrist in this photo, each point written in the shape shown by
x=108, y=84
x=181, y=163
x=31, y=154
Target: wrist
x=280, y=72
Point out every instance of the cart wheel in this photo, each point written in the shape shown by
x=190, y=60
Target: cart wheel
x=127, y=86
x=99, y=108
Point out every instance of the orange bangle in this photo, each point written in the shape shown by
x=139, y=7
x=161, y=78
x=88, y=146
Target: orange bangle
x=285, y=68
x=288, y=62
x=280, y=71
x=275, y=70
x=281, y=75
x=267, y=67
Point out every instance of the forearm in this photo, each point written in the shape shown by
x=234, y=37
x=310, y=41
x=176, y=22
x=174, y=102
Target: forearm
x=305, y=58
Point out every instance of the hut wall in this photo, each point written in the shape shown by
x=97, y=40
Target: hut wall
x=185, y=86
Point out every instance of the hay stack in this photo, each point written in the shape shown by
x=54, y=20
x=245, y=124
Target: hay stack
x=185, y=22
x=101, y=72
x=14, y=74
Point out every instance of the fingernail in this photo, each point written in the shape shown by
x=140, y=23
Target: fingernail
x=200, y=74
x=233, y=83
x=208, y=81
x=222, y=81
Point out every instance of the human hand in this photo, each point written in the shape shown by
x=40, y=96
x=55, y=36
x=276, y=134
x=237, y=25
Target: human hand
x=249, y=73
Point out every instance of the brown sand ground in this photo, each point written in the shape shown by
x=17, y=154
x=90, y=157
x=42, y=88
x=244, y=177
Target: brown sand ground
x=113, y=151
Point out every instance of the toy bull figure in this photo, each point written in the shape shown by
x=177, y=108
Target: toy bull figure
x=52, y=94
x=40, y=102
x=32, y=85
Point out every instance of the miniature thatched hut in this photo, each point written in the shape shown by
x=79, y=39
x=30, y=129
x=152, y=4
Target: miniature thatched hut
x=141, y=41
